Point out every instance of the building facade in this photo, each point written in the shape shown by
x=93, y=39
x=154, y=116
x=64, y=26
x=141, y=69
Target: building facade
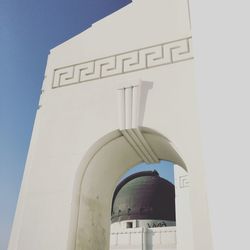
x=143, y=213
x=118, y=94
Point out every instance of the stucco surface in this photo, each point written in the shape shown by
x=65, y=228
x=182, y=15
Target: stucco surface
x=145, y=41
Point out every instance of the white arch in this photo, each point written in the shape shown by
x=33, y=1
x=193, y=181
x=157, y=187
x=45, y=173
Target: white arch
x=101, y=168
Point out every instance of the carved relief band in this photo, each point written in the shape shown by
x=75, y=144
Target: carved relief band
x=140, y=59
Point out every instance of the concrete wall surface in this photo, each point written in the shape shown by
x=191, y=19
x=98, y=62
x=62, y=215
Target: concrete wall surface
x=88, y=132
x=144, y=238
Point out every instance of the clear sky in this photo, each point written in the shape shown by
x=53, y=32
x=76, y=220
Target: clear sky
x=164, y=168
x=28, y=30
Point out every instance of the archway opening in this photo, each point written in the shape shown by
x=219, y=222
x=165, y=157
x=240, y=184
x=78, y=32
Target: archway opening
x=100, y=171
x=143, y=214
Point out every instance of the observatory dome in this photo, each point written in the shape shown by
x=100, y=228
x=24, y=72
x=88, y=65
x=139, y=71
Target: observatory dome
x=144, y=195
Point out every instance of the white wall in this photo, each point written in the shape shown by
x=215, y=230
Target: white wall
x=144, y=238
x=75, y=113
x=122, y=225
x=221, y=47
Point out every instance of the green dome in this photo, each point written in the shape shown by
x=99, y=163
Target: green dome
x=144, y=195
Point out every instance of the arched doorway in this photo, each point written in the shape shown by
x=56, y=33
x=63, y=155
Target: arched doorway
x=107, y=160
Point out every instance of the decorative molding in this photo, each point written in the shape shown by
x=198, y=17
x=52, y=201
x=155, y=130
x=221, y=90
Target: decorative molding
x=137, y=141
x=184, y=181
x=129, y=106
x=130, y=119
x=135, y=60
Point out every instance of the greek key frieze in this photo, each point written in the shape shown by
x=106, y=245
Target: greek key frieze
x=140, y=59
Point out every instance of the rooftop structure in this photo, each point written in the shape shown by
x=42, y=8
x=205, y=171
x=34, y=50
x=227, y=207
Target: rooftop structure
x=144, y=195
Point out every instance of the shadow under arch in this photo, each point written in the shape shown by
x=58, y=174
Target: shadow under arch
x=96, y=179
